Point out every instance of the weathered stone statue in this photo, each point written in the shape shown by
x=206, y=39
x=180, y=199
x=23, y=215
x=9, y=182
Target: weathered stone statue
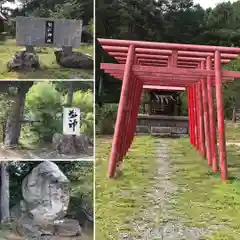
x=45, y=202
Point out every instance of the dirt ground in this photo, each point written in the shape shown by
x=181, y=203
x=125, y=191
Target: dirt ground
x=12, y=236
x=42, y=153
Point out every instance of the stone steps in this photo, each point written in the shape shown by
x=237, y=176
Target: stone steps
x=161, y=131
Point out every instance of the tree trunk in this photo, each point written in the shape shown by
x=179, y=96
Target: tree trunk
x=100, y=88
x=144, y=107
x=70, y=94
x=13, y=123
x=179, y=106
x=174, y=109
x=235, y=108
x=5, y=215
x=234, y=114
x=150, y=104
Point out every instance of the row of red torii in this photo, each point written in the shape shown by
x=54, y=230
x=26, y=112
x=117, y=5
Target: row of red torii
x=175, y=67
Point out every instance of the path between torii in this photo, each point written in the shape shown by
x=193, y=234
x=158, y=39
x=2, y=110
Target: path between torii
x=169, y=227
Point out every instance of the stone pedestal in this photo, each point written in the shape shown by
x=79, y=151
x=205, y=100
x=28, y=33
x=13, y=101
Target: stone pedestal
x=70, y=145
x=67, y=228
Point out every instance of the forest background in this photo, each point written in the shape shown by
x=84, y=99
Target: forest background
x=177, y=21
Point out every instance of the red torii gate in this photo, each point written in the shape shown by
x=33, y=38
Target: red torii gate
x=167, y=66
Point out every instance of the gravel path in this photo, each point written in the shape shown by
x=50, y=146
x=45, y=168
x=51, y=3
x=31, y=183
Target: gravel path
x=156, y=221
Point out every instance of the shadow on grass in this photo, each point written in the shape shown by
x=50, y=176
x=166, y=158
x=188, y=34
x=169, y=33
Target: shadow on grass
x=118, y=176
x=168, y=137
x=233, y=179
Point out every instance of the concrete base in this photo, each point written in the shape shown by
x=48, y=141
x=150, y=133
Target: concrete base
x=157, y=125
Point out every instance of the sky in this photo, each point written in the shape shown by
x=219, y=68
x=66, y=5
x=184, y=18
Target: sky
x=210, y=3
x=11, y=5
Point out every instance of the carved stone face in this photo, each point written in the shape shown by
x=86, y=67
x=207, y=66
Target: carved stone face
x=35, y=187
x=46, y=192
x=52, y=172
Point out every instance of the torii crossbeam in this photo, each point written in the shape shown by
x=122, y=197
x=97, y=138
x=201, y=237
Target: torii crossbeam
x=177, y=67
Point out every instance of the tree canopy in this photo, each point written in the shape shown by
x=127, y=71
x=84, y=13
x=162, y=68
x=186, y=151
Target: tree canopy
x=176, y=21
x=68, y=9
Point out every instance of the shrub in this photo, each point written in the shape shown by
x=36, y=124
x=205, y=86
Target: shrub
x=43, y=103
x=184, y=106
x=105, y=118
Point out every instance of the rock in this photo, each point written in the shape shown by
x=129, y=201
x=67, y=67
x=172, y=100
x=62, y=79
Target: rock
x=26, y=226
x=46, y=192
x=46, y=198
x=67, y=228
x=62, y=228
x=67, y=144
x=73, y=59
x=40, y=215
x=24, y=60
x=142, y=129
x=59, y=238
x=82, y=142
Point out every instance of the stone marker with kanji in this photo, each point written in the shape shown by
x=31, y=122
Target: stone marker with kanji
x=63, y=34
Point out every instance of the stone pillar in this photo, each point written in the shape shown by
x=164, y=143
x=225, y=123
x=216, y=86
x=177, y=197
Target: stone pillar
x=29, y=49
x=67, y=50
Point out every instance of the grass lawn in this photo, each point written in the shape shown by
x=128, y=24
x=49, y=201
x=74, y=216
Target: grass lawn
x=49, y=68
x=232, y=131
x=122, y=197
x=203, y=200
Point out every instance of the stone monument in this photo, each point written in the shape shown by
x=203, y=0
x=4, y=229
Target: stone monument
x=49, y=32
x=42, y=211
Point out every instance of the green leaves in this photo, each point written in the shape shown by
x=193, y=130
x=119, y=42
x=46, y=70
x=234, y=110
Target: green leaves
x=70, y=9
x=44, y=103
